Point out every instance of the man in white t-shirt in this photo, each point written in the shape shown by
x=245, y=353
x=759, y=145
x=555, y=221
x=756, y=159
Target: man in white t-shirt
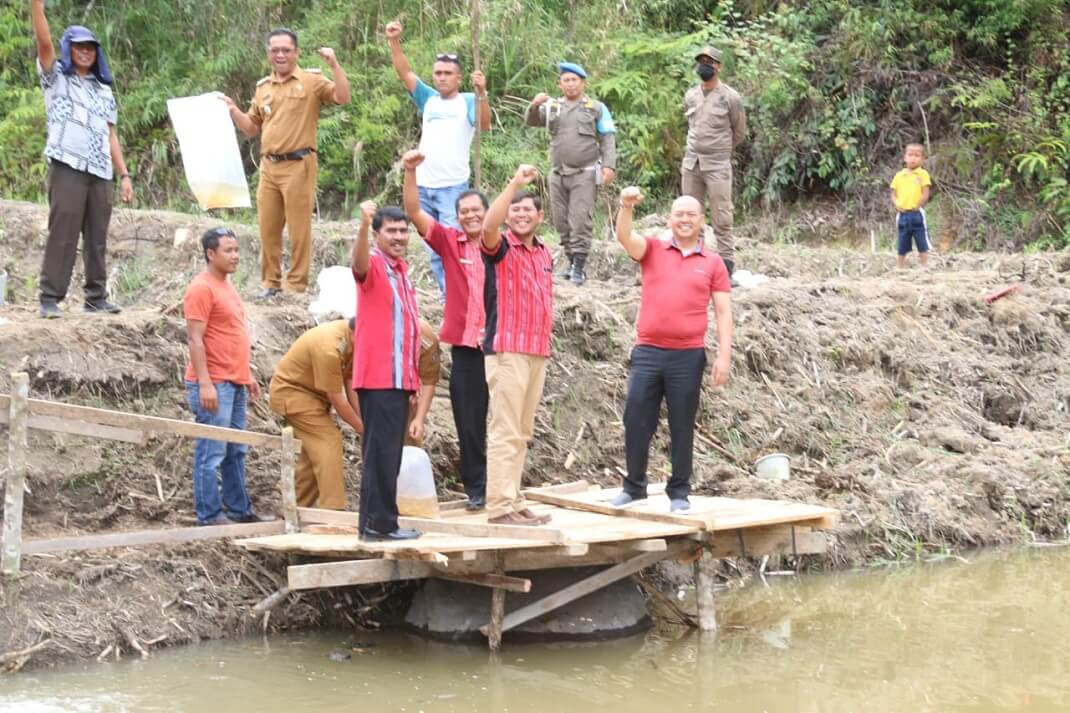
x=449, y=119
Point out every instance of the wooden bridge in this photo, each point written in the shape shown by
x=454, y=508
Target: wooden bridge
x=584, y=530
x=457, y=545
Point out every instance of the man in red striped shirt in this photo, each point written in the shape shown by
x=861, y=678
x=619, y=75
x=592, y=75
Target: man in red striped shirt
x=519, y=306
x=386, y=348
x=462, y=321
x=679, y=278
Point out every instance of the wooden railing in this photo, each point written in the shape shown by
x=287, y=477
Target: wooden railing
x=22, y=413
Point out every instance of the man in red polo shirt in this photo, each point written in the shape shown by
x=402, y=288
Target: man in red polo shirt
x=386, y=347
x=462, y=323
x=519, y=305
x=679, y=277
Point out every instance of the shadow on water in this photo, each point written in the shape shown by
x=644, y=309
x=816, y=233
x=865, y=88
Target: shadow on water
x=990, y=634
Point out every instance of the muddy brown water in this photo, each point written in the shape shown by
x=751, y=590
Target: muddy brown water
x=988, y=634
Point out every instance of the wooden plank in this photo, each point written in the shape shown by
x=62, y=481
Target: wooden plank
x=453, y=505
x=576, y=486
x=771, y=540
x=15, y=486
x=75, y=428
x=155, y=424
x=152, y=537
x=497, y=610
x=447, y=527
x=577, y=590
x=354, y=572
x=286, y=482
x=705, y=570
x=603, y=509
x=493, y=580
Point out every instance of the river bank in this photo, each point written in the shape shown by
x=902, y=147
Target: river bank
x=932, y=420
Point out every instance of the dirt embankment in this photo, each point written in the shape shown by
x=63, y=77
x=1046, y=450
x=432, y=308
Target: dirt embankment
x=932, y=420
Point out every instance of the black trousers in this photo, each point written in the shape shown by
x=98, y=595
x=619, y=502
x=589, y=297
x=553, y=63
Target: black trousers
x=79, y=204
x=469, y=399
x=676, y=376
x=385, y=413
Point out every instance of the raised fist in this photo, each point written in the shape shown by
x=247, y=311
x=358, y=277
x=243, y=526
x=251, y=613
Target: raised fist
x=367, y=210
x=630, y=196
x=328, y=56
x=393, y=30
x=412, y=159
x=526, y=173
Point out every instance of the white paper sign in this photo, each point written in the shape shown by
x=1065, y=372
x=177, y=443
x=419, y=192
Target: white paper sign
x=209, y=149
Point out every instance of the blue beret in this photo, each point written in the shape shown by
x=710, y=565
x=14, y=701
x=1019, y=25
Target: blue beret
x=576, y=69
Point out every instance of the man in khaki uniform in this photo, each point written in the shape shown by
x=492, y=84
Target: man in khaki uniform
x=583, y=154
x=308, y=382
x=716, y=123
x=430, y=368
x=286, y=107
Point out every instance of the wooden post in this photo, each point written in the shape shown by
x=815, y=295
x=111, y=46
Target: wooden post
x=497, y=611
x=16, y=475
x=286, y=483
x=477, y=156
x=704, y=578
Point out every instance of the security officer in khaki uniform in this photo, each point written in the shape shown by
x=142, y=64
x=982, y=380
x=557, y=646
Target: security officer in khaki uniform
x=308, y=382
x=286, y=107
x=583, y=154
x=716, y=124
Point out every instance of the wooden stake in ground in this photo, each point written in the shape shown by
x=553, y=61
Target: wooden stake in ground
x=11, y=555
x=705, y=567
x=286, y=481
x=477, y=158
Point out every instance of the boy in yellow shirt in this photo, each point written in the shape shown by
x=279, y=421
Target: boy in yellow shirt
x=910, y=193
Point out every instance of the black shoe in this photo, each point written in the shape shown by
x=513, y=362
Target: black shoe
x=579, y=270
x=402, y=533
x=219, y=519
x=251, y=516
x=102, y=306
x=476, y=503
x=566, y=274
x=50, y=310
x=268, y=293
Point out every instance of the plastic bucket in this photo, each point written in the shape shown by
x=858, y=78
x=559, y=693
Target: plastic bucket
x=775, y=466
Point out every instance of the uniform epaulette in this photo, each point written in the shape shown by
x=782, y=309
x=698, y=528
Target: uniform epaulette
x=265, y=79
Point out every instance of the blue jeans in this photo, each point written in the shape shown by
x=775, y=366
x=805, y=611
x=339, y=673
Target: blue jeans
x=441, y=204
x=212, y=458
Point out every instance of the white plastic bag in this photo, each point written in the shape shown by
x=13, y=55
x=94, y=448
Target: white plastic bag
x=416, y=484
x=338, y=293
x=209, y=151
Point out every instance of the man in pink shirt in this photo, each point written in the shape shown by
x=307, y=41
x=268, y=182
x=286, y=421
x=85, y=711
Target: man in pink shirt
x=520, y=312
x=386, y=349
x=463, y=320
x=679, y=278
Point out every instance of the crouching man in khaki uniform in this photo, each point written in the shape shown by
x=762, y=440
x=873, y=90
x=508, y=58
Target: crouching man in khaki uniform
x=308, y=383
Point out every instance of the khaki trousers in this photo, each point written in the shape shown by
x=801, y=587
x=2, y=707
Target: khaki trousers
x=320, y=476
x=515, y=384
x=286, y=196
x=714, y=185
x=572, y=201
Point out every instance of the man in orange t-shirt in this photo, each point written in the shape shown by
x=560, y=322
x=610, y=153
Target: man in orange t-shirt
x=219, y=381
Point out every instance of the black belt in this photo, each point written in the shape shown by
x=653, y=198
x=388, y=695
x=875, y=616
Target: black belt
x=294, y=156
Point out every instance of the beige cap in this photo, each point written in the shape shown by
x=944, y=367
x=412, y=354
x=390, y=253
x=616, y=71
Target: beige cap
x=711, y=52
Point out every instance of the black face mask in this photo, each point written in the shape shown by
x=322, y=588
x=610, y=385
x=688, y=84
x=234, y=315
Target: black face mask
x=706, y=72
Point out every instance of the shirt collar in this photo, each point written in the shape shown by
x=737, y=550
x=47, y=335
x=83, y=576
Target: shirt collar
x=673, y=244
x=535, y=242
x=275, y=78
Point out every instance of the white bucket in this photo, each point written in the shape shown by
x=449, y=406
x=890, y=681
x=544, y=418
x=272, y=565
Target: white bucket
x=775, y=466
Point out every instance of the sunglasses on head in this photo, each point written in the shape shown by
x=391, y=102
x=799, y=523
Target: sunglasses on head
x=221, y=233
x=447, y=57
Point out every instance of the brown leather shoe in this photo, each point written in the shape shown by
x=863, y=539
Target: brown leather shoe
x=514, y=518
x=543, y=519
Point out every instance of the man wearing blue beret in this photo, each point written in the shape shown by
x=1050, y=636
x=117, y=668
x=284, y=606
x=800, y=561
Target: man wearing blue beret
x=583, y=155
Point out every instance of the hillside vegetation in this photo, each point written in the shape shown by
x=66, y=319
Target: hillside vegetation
x=834, y=88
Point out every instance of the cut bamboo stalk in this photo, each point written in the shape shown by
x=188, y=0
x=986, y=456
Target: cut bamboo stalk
x=11, y=557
